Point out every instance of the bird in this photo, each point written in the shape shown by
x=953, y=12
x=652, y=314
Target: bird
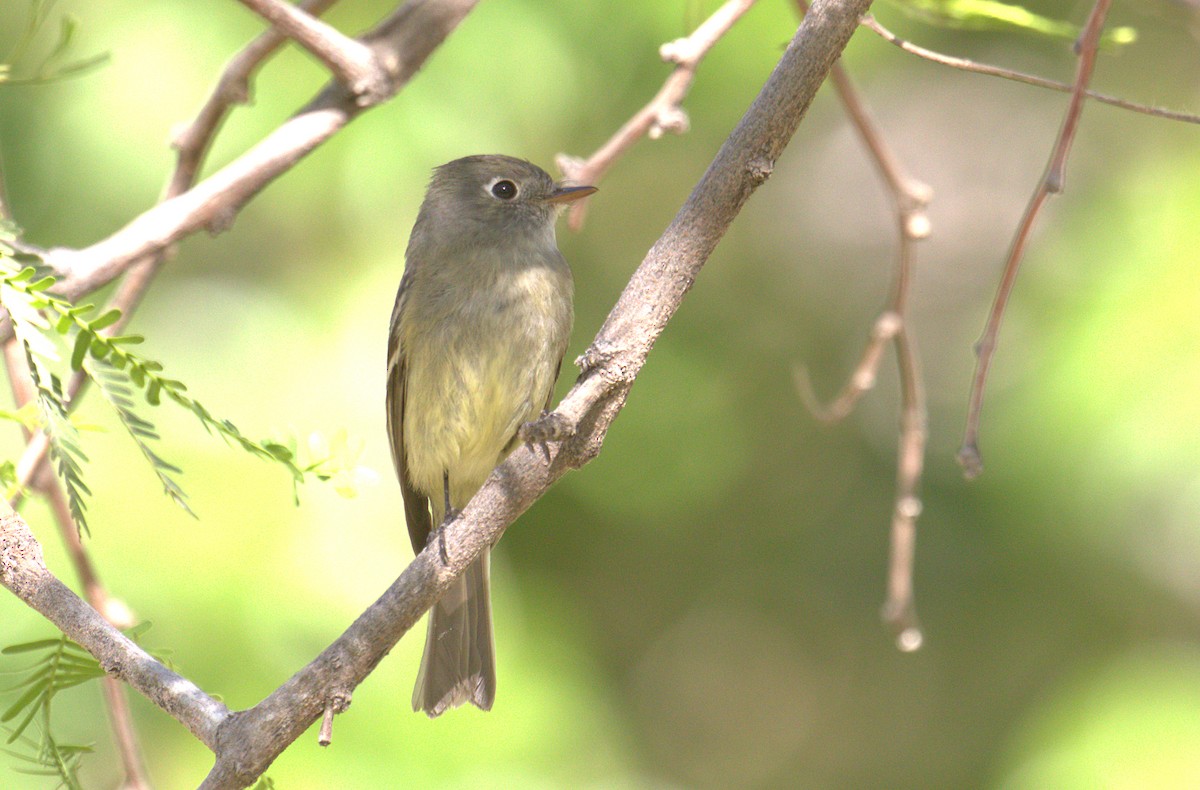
x=481, y=322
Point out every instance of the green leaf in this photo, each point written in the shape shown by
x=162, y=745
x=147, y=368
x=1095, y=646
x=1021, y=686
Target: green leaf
x=130, y=340
x=83, y=341
x=99, y=348
x=39, y=285
x=105, y=320
x=29, y=647
x=993, y=14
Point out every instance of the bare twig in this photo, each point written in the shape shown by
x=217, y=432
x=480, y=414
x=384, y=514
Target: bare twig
x=664, y=113
x=352, y=62
x=899, y=610
x=233, y=87
x=861, y=381
x=325, y=736
x=116, y=697
x=1029, y=79
x=909, y=197
x=402, y=42
x=1053, y=181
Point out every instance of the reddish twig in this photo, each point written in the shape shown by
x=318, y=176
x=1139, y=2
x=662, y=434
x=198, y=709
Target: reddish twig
x=909, y=197
x=1052, y=182
x=664, y=113
x=964, y=64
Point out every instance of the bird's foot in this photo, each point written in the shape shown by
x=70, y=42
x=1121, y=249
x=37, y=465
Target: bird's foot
x=439, y=534
x=550, y=427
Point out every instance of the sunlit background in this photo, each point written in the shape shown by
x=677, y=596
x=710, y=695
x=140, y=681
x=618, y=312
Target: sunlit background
x=700, y=606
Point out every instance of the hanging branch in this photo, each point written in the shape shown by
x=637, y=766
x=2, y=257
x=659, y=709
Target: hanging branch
x=1053, y=182
x=909, y=199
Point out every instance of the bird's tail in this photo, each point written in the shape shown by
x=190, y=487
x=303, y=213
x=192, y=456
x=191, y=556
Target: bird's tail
x=459, y=664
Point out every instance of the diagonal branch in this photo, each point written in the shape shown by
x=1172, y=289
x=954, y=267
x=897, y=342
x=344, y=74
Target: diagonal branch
x=910, y=198
x=1053, y=181
x=24, y=573
x=402, y=42
x=352, y=62
x=664, y=113
x=1017, y=76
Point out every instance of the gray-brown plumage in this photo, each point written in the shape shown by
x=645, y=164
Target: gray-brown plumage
x=477, y=336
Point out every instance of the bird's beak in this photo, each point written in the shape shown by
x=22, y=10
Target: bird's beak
x=569, y=194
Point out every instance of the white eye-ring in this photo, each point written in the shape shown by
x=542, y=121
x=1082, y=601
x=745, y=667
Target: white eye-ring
x=503, y=189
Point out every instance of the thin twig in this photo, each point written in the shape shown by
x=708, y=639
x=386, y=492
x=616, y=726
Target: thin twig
x=1052, y=182
x=899, y=610
x=861, y=381
x=352, y=62
x=233, y=87
x=1029, y=79
x=119, y=716
x=116, y=697
x=664, y=113
x=325, y=736
x=910, y=197
x=402, y=42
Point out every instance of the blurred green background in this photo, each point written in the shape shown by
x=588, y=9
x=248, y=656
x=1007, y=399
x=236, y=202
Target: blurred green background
x=700, y=606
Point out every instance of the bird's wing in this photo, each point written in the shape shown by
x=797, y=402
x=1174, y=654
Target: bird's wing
x=416, y=504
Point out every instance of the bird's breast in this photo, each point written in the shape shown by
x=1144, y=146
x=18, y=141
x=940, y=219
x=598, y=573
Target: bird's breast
x=481, y=360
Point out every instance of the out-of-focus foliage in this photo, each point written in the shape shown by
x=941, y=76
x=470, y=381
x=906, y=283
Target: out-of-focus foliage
x=56, y=63
x=699, y=606
x=991, y=14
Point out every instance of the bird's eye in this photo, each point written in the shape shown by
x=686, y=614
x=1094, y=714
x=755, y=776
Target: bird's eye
x=504, y=189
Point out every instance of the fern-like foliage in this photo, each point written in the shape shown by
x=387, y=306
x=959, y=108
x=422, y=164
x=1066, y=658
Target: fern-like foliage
x=60, y=665
x=48, y=757
x=994, y=14
x=19, y=294
x=115, y=388
x=120, y=373
x=55, y=65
